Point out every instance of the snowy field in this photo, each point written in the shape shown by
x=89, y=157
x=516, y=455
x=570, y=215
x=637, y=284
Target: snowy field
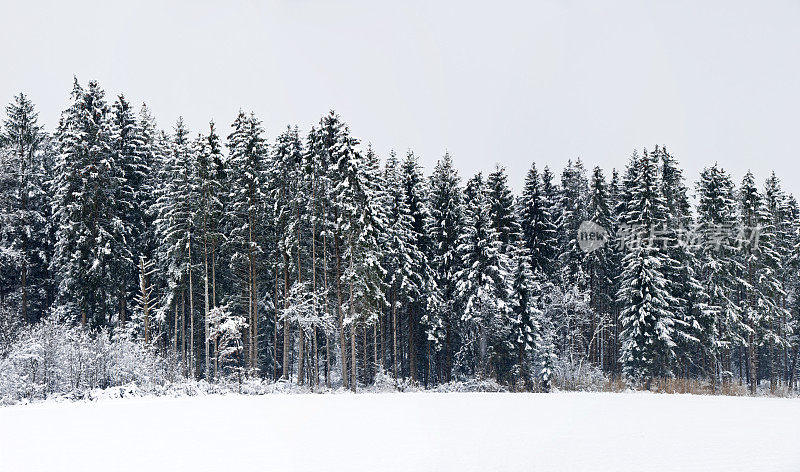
x=406, y=432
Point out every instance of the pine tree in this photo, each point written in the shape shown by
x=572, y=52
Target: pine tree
x=176, y=208
x=690, y=297
x=359, y=222
x=524, y=294
x=782, y=225
x=335, y=145
x=25, y=213
x=483, y=282
x=85, y=187
x=152, y=156
x=760, y=290
x=210, y=174
x=504, y=217
x=573, y=212
x=127, y=147
x=317, y=169
x=649, y=326
x=247, y=183
x=598, y=268
x=537, y=221
x=445, y=226
x=721, y=326
x=415, y=193
x=403, y=283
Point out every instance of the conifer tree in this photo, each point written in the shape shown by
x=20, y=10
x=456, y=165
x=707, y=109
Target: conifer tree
x=85, y=187
x=483, y=282
x=782, y=223
x=649, y=326
x=359, y=222
x=524, y=294
x=445, y=227
x=598, y=268
x=690, y=297
x=415, y=192
x=246, y=200
x=572, y=212
x=127, y=147
x=210, y=186
x=537, y=222
x=25, y=213
x=176, y=228
x=501, y=205
x=719, y=269
x=402, y=282
x=761, y=290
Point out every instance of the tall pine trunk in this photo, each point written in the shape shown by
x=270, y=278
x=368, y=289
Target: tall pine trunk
x=286, y=332
x=301, y=344
x=342, y=342
x=206, y=302
x=275, y=331
x=191, y=314
x=394, y=335
x=327, y=305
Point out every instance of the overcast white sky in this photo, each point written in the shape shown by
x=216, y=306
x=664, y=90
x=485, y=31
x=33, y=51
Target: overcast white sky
x=492, y=82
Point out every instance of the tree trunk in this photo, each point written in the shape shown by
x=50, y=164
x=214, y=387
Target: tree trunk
x=342, y=342
x=191, y=314
x=254, y=304
x=122, y=307
x=364, y=369
x=376, y=362
x=301, y=345
x=327, y=303
x=772, y=377
x=183, y=331
x=275, y=333
x=145, y=300
x=753, y=364
x=175, y=337
x=412, y=347
x=205, y=303
x=394, y=336
x=314, y=288
x=286, y=332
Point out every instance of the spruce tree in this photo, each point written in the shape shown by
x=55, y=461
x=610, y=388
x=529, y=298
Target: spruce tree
x=445, y=227
x=648, y=323
x=572, y=212
x=246, y=201
x=176, y=229
x=415, y=192
x=356, y=195
x=403, y=282
x=524, y=298
x=760, y=288
x=598, y=268
x=483, y=283
x=782, y=222
x=127, y=147
x=681, y=272
x=209, y=214
x=25, y=212
x=719, y=269
x=85, y=187
x=537, y=222
x=501, y=205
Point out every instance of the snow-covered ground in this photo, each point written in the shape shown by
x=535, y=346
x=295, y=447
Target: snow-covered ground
x=406, y=432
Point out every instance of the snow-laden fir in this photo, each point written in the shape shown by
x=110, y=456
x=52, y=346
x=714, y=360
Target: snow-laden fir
x=133, y=254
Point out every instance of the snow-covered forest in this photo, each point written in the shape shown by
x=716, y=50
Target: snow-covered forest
x=137, y=253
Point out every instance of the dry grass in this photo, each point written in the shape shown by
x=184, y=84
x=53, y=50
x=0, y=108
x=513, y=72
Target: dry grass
x=697, y=387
